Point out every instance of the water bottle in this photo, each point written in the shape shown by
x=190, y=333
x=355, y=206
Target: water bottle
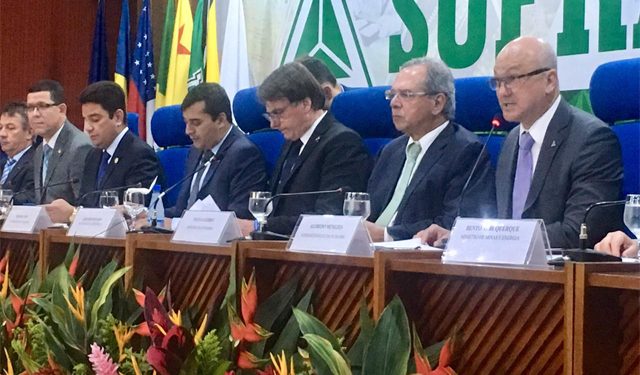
x=159, y=208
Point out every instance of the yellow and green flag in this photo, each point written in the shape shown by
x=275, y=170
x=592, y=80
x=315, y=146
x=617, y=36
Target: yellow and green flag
x=165, y=53
x=180, y=54
x=196, y=63
x=213, y=62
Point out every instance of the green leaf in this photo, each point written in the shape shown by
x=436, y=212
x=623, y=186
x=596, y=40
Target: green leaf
x=390, y=345
x=288, y=338
x=324, y=358
x=105, y=293
x=276, y=307
x=356, y=353
x=310, y=324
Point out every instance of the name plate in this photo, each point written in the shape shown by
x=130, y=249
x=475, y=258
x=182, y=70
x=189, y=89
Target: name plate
x=331, y=234
x=98, y=223
x=497, y=241
x=207, y=227
x=26, y=219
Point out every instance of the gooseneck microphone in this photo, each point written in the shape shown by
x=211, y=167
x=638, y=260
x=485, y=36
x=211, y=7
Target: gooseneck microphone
x=496, y=122
x=117, y=188
x=73, y=180
x=154, y=213
x=584, y=234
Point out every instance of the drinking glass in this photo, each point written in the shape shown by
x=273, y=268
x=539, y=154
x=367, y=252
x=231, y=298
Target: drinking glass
x=356, y=204
x=632, y=215
x=6, y=196
x=258, y=206
x=109, y=199
x=134, y=205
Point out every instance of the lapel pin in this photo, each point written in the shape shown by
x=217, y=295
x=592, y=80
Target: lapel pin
x=116, y=160
x=59, y=151
x=317, y=138
x=553, y=143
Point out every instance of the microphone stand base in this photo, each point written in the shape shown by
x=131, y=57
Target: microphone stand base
x=268, y=236
x=153, y=229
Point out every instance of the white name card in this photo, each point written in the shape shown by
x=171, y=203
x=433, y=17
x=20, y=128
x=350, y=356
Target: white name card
x=207, y=227
x=497, y=241
x=331, y=234
x=26, y=219
x=98, y=223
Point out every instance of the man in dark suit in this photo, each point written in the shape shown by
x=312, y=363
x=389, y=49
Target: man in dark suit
x=319, y=153
x=118, y=158
x=419, y=177
x=16, y=137
x=237, y=166
x=560, y=159
x=59, y=159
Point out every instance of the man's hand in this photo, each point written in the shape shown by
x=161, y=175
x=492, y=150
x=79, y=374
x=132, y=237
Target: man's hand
x=375, y=231
x=618, y=244
x=246, y=226
x=59, y=211
x=433, y=235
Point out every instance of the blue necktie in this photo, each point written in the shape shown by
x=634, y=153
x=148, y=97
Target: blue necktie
x=45, y=162
x=102, y=170
x=524, y=173
x=8, y=166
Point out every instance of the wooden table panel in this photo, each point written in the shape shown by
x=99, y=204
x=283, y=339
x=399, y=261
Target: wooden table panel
x=24, y=253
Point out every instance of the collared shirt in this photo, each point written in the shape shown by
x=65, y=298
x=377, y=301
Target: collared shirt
x=214, y=151
x=114, y=145
x=16, y=159
x=307, y=135
x=539, y=129
x=17, y=156
x=52, y=141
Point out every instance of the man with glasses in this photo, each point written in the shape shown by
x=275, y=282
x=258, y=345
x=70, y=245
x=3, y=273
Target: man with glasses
x=59, y=160
x=319, y=153
x=16, y=139
x=419, y=177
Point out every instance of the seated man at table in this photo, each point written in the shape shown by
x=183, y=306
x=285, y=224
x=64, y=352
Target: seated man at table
x=419, y=177
x=237, y=167
x=16, y=139
x=328, y=82
x=319, y=153
x=618, y=244
x=119, y=158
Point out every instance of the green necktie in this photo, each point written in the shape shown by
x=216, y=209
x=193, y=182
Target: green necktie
x=413, y=150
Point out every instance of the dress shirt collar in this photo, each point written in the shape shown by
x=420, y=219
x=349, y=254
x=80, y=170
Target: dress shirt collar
x=216, y=148
x=114, y=145
x=52, y=142
x=540, y=126
x=307, y=135
x=17, y=156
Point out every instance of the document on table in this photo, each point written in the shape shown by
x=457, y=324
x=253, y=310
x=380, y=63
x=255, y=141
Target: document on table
x=411, y=244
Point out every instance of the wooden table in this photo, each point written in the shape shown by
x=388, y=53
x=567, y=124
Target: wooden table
x=23, y=256
x=511, y=320
x=606, y=331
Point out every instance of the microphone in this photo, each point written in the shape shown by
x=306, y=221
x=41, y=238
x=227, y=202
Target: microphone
x=154, y=213
x=83, y=196
x=263, y=235
x=584, y=236
x=496, y=122
x=74, y=180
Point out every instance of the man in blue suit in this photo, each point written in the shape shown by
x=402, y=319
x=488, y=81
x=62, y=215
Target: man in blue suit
x=419, y=177
x=236, y=165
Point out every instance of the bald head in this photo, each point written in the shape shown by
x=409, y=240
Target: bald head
x=530, y=49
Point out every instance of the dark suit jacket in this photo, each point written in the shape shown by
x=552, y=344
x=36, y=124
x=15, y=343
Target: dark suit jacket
x=579, y=164
x=433, y=194
x=334, y=157
x=238, y=169
x=20, y=179
x=66, y=163
x=133, y=161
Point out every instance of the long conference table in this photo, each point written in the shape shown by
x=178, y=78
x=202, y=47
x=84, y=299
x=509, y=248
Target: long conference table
x=583, y=318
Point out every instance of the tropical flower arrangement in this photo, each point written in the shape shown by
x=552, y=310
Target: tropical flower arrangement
x=61, y=325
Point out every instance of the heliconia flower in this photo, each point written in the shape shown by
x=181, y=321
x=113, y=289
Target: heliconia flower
x=268, y=371
x=197, y=338
x=246, y=360
x=156, y=316
x=101, y=363
x=176, y=318
x=280, y=364
x=423, y=367
x=249, y=301
x=140, y=298
x=123, y=334
x=142, y=329
x=78, y=296
x=134, y=364
x=169, y=356
x=5, y=281
x=73, y=267
x=240, y=331
x=4, y=260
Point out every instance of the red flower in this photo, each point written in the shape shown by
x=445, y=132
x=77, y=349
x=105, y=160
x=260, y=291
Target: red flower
x=73, y=267
x=424, y=368
x=246, y=360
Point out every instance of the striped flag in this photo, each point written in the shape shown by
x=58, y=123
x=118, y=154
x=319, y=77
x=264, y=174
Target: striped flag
x=234, y=69
x=165, y=53
x=196, y=62
x=212, y=61
x=99, y=67
x=180, y=54
x=122, y=53
x=142, y=82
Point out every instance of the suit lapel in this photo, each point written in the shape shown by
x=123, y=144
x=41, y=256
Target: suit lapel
x=57, y=153
x=221, y=151
x=24, y=160
x=116, y=158
x=553, y=139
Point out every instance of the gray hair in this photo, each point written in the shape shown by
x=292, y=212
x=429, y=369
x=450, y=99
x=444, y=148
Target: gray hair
x=439, y=80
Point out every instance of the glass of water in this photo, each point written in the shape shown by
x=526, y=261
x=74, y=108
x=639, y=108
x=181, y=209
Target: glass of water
x=109, y=199
x=6, y=201
x=632, y=215
x=356, y=204
x=258, y=206
x=134, y=205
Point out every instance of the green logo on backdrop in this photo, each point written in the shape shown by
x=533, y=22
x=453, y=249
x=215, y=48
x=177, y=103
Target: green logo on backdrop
x=324, y=29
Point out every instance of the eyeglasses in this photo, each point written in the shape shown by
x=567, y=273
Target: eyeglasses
x=277, y=113
x=40, y=106
x=510, y=81
x=407, y=94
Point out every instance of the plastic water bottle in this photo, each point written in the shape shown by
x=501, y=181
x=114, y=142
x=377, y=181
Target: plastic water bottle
x=159, y=208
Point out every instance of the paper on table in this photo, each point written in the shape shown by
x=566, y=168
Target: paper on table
x=413, y=244
x=206, y=204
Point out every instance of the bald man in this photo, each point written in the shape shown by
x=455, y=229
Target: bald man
x=559, y=160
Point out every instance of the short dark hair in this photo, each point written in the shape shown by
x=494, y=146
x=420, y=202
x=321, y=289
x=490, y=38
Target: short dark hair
x=318, y=69
x=108, y=94
x=17, y=109
x=215, y=100
x=294, y=82
x=53, y=87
